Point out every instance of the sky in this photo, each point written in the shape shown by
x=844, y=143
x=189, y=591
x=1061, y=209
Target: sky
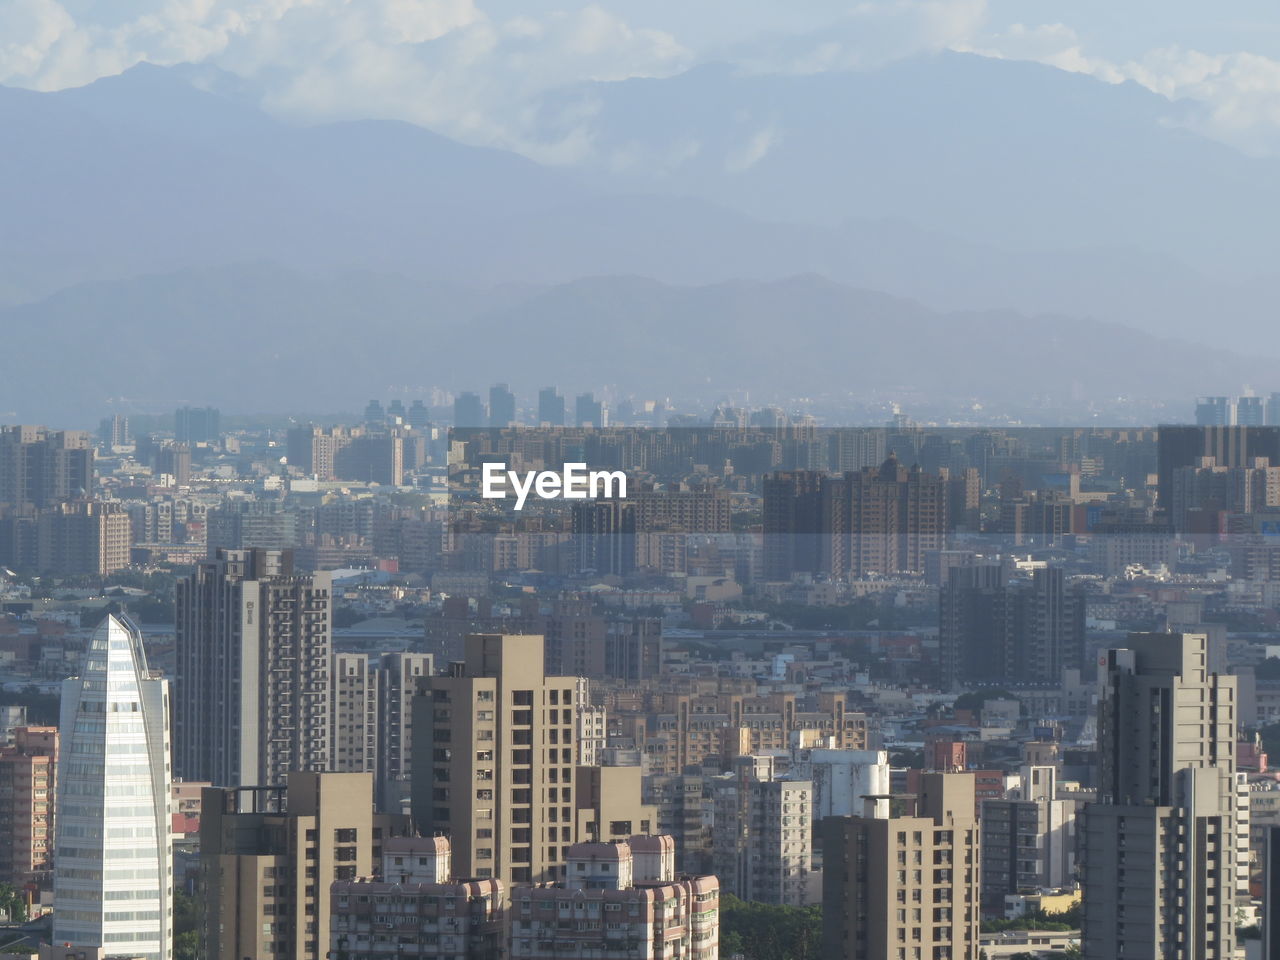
x=471, y=68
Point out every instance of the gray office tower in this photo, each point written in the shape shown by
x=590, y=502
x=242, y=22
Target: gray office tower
x=550, y=407
x=1160, y=850
x=253, y=688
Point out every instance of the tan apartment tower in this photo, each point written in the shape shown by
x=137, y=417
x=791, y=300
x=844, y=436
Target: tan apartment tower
x=493, y=761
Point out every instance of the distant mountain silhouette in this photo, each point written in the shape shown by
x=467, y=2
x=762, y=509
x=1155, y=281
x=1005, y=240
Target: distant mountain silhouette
x=958, y=182
x=259, y=337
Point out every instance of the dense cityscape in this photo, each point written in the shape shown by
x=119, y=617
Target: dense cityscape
x=639, y=480
x=908, y=691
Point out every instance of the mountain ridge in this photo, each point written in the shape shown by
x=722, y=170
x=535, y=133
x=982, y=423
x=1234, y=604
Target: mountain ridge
x=293, y=339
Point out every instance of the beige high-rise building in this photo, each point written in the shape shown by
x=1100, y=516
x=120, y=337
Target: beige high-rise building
x=610, y=804
x=904, y=887
x=270, y=855
x=353, y=730
x=371, y=728
x=493, y=760
x=1160, y=844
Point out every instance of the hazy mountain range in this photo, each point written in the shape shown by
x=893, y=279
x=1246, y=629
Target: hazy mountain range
x=266, y=337
x=169, y=227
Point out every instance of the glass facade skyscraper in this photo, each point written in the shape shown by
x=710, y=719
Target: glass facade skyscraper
x=113, y=879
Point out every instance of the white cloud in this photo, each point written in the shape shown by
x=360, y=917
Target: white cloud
x=753, y=151
x=866, y=35
x=446, y=64
x=472, y=68
x=29, y=32
x=1231, y=97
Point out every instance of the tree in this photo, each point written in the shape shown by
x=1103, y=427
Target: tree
x=186, y=926
x=186, y=913
x=12, y=903
x=186, y=946
x=761, y=931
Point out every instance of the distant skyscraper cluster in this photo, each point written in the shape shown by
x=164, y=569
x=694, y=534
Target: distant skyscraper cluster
x=1247, y=411
x=551, y=409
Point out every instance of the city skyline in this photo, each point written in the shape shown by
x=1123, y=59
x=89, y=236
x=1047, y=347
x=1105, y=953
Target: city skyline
x=591, y=479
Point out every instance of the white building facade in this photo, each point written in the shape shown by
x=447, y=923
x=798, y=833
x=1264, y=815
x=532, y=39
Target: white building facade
x=113, y=874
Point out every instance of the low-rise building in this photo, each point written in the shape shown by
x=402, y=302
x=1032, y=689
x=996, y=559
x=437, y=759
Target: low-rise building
x=414, y=910
x=619, y=899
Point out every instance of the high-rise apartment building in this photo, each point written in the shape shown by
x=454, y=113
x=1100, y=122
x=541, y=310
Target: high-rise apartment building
x=73, y=538
x=173, y=460
x=1215, y=412
x=905, y=886
x=250, y=525
x=418, y=416
x=398, y=675
x=502, y=406
x=41, y=468
x=373, y=454
x=493, y=760
x=374, y=413
x=312, y=450
x=610, y=805
x=372, y=457
x=253, y=690
x=1028, y=842
x=193, y=425
x=371, y=727
x=550, y=407
x=28, y=779
x=1250, y=412
x=113, y=869
x=1205, y=491
x=884, y=520
x=991, y=631
x=468, y=411
x=1160, y=843
x=113, y=431
x=1229, y=446
x=84, y=537
x=270, y=856
x=590, y=412
x=879, y=520
x=794, y=541
x=680, y=801
x=353, y=718
x=592, y=721
x=762, y=833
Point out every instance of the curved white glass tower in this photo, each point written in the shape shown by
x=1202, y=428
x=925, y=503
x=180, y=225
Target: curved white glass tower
x=113, y=874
